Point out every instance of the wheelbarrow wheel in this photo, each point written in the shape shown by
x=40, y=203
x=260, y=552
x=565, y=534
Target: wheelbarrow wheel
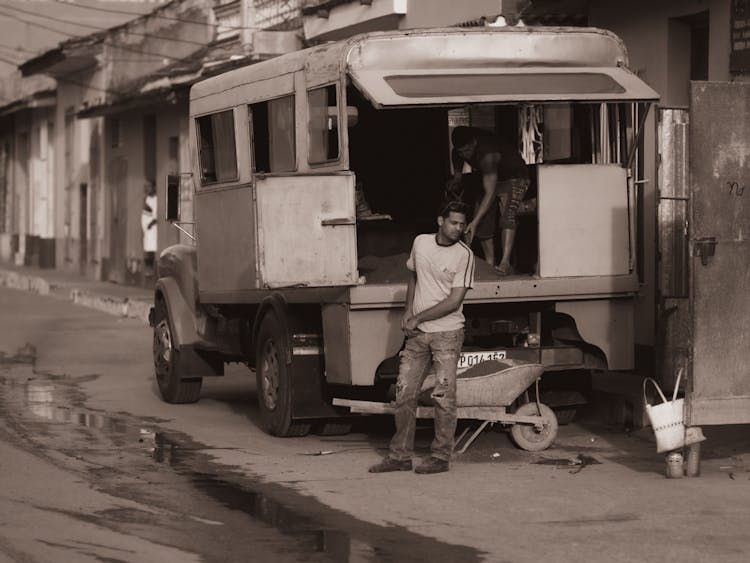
x=530, y=438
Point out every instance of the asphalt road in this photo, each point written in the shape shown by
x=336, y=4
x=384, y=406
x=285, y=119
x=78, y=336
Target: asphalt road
x=94, y=467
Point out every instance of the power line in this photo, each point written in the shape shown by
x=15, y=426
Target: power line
x=42, y=26
x=115, y=45
x=20, y=51
x=3, y=59
x=68, y=81
x=99, y=28
x=10, y=52
x=17, y=48
x=155, y=15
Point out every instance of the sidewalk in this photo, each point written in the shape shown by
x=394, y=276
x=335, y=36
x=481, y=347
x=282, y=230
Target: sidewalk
x=111, y=298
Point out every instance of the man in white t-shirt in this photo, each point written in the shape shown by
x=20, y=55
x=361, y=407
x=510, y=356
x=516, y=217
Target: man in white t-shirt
x=442, y=268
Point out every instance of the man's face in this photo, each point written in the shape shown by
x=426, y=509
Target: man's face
x=467, y=151
x=452, y=227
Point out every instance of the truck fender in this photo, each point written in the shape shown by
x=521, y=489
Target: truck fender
x=181, y=313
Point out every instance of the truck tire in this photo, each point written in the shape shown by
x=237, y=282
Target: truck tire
x=169, y=375
x=528, y=437
x=274, y=382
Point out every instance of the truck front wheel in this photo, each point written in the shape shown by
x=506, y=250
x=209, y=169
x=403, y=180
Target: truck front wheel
x=169, y=376
x=274, y=382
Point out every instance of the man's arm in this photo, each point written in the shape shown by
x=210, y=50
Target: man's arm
x=488, y=167
x=409, y=307
x=448, y=305
x=454, y=183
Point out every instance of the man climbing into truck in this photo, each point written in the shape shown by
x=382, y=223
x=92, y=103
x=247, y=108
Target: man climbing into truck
x=442, y=271
x=491, y=166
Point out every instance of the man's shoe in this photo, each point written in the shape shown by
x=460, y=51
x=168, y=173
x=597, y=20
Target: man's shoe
x=390, y=464
x=432, y=465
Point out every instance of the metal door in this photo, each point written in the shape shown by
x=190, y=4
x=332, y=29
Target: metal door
x=719, y=389
x=307, y=230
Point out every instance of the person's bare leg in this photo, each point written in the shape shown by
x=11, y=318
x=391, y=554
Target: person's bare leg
x=488, y=249
x=507, y=238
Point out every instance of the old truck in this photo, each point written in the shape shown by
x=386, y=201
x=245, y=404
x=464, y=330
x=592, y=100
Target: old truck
x=313, y=172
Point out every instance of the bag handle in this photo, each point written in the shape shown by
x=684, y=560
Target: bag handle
x=661, y=393
x=677, y=383
x=656, y=385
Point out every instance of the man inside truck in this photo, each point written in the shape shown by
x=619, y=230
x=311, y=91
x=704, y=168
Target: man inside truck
x=492, y=166
x=442, y=271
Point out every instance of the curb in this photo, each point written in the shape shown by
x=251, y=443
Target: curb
x=124, y=307
x=15, y=280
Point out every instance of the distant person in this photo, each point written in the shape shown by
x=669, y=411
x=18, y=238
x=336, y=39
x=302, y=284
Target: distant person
x=149, y=227
x=442, y=271
x=492, y=166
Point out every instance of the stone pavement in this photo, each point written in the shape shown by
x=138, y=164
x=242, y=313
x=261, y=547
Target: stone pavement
x=111, y=298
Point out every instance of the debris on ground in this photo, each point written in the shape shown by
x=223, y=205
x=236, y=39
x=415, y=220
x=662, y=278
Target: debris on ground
x=576, y=463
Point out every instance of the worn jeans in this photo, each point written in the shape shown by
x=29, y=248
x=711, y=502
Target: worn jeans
x=440, y=349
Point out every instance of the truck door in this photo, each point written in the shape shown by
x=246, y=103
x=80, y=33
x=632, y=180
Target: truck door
x=719, y=389
x=307, y=230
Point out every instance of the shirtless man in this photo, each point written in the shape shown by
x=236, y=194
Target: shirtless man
x=480, y=150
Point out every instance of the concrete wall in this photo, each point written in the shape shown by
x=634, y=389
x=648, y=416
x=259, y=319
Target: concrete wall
x=438, y=13
x=40, y=236
x=125, y=189
x=20, y=186
x=645, y=27
x=72, y=153
x=42, y=197
x=657, y=53
x=6, y=191
x=345, y=20
x=126, y=178
x=172, y=122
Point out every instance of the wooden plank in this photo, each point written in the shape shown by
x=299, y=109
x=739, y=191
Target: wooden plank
x=475, y=413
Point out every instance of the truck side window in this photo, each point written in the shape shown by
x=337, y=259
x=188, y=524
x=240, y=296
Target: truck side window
x=216, y=147
x=322, y=126
x=273, y=135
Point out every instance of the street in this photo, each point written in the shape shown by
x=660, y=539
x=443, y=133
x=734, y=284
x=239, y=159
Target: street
x=96, y=468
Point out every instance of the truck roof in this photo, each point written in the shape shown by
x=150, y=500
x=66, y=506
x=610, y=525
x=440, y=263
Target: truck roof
x=445, y=65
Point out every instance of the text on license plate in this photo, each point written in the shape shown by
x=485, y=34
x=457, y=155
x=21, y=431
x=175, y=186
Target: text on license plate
x=469, y=359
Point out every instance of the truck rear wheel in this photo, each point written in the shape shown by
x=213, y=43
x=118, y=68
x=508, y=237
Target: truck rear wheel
x=274, y=382
x=169, y=376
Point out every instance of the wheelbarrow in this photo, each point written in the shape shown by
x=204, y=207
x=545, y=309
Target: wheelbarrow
x=485, y=393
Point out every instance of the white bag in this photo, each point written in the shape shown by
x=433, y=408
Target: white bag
x=667, y=419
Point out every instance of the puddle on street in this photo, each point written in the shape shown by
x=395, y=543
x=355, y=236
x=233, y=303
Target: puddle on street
x=312, y=526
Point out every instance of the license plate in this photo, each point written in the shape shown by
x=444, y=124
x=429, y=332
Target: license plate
x=470, y=359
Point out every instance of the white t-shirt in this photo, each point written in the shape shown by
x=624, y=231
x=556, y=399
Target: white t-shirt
x=147, y=215
x=439, y=269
